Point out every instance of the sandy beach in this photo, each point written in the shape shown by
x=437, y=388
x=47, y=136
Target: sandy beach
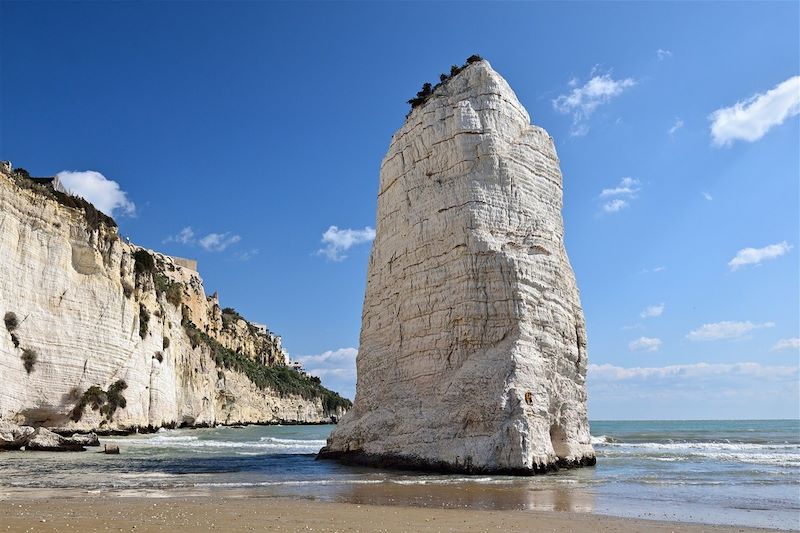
x=248, y=513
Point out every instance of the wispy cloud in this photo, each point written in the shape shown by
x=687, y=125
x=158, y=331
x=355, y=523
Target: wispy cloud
x=105, y=194
x=626, y=187
x=618, y=197
x=211, y=242
x=697, y=390
x=218, y=242
x=675, y=127
x=663, y=54
x=755, y=256
x=707, y=196
x=751, y=119
x=608, y=372
x=652, y=311
x=656, y=269
x=792, y=343
x=615, y=205
x=247, y=255
x=725, y=330
x=582, y=101
x=184, y=236
x=336, y=368
x=337, y=241
x=645, y=344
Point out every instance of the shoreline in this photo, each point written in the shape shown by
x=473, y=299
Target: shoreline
x=248, y=511
x=148, y=430
x=416, y=464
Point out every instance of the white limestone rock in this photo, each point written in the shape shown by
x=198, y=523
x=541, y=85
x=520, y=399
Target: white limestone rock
x=14, y=437
x=78, y=303
x=44, y=440
x=472, y=354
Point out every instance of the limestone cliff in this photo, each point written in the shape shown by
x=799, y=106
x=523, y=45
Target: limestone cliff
x=101, y=334
x=473, y=344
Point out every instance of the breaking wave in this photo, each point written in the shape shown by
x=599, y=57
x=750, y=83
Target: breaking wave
x=743, y=452
x=264, y=444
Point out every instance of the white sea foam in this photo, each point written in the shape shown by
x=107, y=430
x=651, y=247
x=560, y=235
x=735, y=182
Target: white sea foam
x=744, y=452
x=265, y=444
x=319, y=443
x=293, y=483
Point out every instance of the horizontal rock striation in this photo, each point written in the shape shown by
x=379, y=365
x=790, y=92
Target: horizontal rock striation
x=472, y=354
x=100, y=334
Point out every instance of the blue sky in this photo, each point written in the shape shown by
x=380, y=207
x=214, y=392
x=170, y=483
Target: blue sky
x=259, y=126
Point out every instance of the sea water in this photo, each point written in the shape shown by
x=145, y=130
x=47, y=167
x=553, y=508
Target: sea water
x=725, y=472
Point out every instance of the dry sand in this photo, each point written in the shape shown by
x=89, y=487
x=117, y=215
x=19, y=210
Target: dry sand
x=253, y=513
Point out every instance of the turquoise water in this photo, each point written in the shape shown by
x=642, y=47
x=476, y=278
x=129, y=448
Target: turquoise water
x=726, y=472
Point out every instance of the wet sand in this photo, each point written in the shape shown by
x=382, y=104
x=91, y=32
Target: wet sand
x=245, y=512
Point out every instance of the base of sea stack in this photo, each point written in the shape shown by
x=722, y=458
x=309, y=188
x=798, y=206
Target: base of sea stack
x=401, y=462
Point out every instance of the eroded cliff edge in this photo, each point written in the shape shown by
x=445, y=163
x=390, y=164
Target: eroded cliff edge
x=104, y=335
x=472, y=353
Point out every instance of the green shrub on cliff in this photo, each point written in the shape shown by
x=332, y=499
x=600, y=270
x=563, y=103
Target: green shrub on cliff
x=107, y=402
x=144, y=320
x=29, y=358
x=427, y=91
x=94, y=218
x=143, y=261
x=11, y=321
x=171, y=289
x=114, y=399
x=282, y=379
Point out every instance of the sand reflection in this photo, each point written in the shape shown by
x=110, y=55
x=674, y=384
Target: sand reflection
x=485, y=494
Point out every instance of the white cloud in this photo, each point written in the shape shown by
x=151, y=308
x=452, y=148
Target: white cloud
x=663, y=54
x=581, y=102
x=184, y=236
x=607, y=372
x=218, y=242
x=338, y=241
x=787, y=344
x=614, y=205
x=754, y=256
x=336, y=368
x=707, y=196
x=212, y=242
x=652, y=311
x=675, y=127
x=725, y=330
x=343, y=357
x=626, y=187
x=247, y=254
x=753, y=118
x=620, y=195
x=645, y=344
x=105, y=194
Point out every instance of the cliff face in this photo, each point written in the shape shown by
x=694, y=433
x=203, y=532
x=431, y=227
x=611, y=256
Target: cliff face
x=101, y=334
x=473, y=344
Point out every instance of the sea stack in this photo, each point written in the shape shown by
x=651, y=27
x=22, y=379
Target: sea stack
x=472, y=353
